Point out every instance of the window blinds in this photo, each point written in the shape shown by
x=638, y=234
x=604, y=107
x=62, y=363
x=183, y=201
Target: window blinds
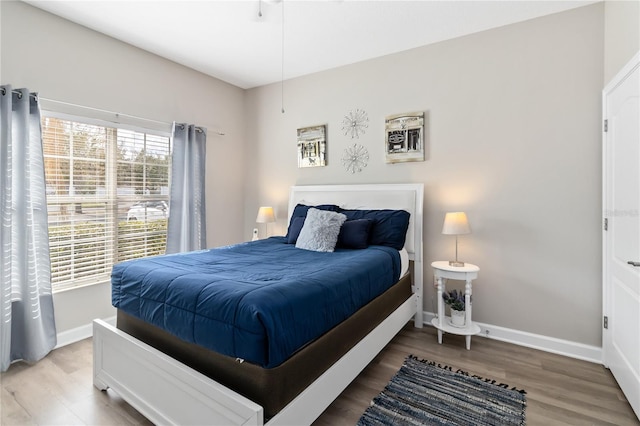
x=107, y=198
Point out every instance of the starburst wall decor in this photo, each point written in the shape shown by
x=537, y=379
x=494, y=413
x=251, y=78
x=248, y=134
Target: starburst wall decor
x=355, y=158
x=355, y=123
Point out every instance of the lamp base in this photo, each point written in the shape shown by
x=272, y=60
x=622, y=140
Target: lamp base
x=456, y=263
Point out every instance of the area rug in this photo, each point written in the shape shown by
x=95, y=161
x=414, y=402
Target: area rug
x=426, y=393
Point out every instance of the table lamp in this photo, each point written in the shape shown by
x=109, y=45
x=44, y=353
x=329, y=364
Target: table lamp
x=266, y=216
x=456, y=223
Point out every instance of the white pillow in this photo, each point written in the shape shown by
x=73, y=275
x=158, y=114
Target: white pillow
x=320, y=230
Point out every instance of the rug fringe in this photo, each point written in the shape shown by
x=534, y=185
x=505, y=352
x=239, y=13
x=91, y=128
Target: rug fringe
x=464, y=373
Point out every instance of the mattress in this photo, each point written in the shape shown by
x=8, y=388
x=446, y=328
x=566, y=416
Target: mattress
x=260, y=302
x=274, y=388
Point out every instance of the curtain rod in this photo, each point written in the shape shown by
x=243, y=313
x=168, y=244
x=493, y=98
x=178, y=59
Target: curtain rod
x=116, y=114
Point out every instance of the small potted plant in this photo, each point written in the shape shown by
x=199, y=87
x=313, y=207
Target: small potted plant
x=456, y=301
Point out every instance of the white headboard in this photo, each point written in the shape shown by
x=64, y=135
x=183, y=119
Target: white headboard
x=403, y=196
x=407, y=197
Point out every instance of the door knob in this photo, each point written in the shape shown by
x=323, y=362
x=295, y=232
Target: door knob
x=632, y=263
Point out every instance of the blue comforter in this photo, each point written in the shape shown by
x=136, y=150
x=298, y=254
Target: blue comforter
x=259, y=301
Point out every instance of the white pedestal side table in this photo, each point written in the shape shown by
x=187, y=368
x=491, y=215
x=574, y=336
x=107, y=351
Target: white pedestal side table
x=467, y=273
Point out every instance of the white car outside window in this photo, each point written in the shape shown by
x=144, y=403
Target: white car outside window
x=148, y=210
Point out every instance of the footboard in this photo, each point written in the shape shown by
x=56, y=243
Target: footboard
x=168, y=392
x=162, y=389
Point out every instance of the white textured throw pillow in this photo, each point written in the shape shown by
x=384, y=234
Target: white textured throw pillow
x=320, y=230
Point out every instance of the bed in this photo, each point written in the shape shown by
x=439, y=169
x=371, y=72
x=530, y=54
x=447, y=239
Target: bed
x=182, y=381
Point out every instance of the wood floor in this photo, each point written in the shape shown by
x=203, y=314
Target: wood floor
x=560, y=391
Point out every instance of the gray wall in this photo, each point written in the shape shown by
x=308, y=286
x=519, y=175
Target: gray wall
x=622, y=35
x=66, y=62
x=513, y=138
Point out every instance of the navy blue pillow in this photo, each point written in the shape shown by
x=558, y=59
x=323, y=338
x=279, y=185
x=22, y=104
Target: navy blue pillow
x=294, y=229
x=354, y=234
x=389, y=227
x=301, y=211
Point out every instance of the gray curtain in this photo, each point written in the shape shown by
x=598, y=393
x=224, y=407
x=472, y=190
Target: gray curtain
x=187, y=230
x=27, y=326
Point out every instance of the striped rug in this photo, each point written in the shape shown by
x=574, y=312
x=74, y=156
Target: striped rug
x=426, y=393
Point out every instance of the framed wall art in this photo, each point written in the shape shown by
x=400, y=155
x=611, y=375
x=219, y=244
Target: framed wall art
x=312, y=146
x=404, y=137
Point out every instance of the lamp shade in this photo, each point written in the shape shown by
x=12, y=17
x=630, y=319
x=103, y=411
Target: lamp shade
x=456, y=223
x=265, y=215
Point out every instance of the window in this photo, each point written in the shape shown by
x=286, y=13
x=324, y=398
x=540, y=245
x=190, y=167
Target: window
x=107, y=197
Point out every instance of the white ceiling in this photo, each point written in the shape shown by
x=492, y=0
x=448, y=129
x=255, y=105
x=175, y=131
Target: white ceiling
x=229, y=41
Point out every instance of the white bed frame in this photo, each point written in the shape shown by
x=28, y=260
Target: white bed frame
x=168, y=392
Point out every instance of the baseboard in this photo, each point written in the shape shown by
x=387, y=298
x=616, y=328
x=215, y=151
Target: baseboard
x=535, y=341
x=522, y=338
x=79, y=333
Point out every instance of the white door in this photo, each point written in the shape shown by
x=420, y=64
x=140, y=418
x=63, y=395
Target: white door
x=621, y=240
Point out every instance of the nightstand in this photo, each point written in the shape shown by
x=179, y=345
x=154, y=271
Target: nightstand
x=467, y=273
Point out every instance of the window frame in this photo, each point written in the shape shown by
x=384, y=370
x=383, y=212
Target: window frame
x=111, y=198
